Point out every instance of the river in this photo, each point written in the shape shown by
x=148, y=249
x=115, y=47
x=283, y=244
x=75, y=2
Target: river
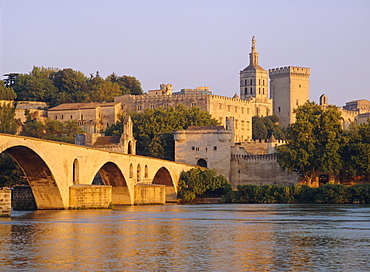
x=240, y=237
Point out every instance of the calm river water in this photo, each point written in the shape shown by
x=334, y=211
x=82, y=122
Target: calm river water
x=189, y=238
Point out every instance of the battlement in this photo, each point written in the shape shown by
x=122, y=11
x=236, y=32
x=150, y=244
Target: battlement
x=303, y=71
x=264, y=157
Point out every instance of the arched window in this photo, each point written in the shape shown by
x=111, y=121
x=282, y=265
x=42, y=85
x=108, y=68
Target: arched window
x=146, y=171
x=138, y=173
x=131, y=174
x=75, y=171
x=202, y=163
x=129, y=148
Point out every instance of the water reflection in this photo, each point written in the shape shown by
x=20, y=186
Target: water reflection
x=189, y=238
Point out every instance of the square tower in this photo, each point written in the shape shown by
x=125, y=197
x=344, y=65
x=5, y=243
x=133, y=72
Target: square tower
x=289, y=88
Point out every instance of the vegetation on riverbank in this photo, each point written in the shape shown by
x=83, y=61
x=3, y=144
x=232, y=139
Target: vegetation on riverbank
x=199, y=183
x=329, y=193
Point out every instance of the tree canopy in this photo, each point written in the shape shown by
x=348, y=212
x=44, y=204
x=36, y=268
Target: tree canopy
x=201, y=183
x=264, y=127
x=51, y=129
x=356, y=154
x=56, y=86
x=153, y=128
x=6, y=93
x=314, y=142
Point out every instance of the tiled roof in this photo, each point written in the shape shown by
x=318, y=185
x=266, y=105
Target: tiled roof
x=77, y=106
x=205, y=128
x=107, y=140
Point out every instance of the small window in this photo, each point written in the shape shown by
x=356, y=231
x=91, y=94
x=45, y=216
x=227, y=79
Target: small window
x=138, y=107
x=229, y=108
x=71, y=116
x=193, y=104
x=56, y=117
x=62, y=117
x=279, y=109
x=215, y=148
x=193, y=148
x=152, y=106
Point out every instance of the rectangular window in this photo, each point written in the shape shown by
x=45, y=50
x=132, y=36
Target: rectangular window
x=242, y=110
x=193, y=104
x=220, y=106
x=236, y=109
x=152, y=106
x=215, y=148
x=279, y=109
x=138, y=107
x=229, y=108
x=192, y=148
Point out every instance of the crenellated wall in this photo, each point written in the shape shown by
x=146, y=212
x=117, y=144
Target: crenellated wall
x=259, y=170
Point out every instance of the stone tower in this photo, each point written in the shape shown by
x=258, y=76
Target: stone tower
x=254, y=79
x=127, y=139
x=289, y=88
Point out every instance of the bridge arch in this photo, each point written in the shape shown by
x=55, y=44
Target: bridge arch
x=112, y=175
x=44, y=187
x=163, y=177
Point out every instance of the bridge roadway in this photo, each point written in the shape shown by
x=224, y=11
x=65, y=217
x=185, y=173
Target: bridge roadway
x=52, y=167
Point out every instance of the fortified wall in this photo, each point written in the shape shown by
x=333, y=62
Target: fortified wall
x=259, y=170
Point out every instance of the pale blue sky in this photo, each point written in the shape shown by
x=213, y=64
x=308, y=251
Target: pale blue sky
x=193, y=43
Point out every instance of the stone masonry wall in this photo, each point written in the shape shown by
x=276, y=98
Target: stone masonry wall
x=5, y=203
x=90, y=196
x=259, y=170
x=150, y=194
x=22, y=198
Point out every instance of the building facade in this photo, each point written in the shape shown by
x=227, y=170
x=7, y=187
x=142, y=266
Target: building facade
x=289, y=88
x=93, y=117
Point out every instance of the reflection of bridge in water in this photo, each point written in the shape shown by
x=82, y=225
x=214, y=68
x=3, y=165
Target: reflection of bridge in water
x=52, y=167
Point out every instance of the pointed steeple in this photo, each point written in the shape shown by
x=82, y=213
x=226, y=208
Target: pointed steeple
x=253, y=55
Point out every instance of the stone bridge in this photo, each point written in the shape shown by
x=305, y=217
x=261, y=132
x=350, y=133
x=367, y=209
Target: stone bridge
x=52, y=167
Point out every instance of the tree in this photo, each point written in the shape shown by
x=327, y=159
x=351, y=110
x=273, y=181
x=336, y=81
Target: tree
x=7, y=121
x=51, y=129
x=314, y=142
x=6, y=93
x=201, y=183
x=153, y=128
x=72, y=86
x=264, y=127
x=102, y=90
x=10, y=172
x=127, y=84
x=356, y=154
x=36, y=86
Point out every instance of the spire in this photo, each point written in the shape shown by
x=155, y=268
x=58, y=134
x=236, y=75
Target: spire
x=253, y=55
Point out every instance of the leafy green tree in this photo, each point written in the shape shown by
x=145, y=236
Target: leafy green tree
x=356, y=154
x=51, y=130
x=72, y=86
x=127, y=84
x=7, y=121
x=314, y=142
x=10, y=172
x=201, y=183
x=153, y=128
x=264, y=127
x=102, y=90
x=36, y=86
x=259, y=130
x=6, y=93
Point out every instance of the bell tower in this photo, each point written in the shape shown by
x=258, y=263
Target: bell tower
x=254, y=79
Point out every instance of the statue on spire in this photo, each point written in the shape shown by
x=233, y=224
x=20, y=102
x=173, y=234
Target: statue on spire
x=253, y=43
